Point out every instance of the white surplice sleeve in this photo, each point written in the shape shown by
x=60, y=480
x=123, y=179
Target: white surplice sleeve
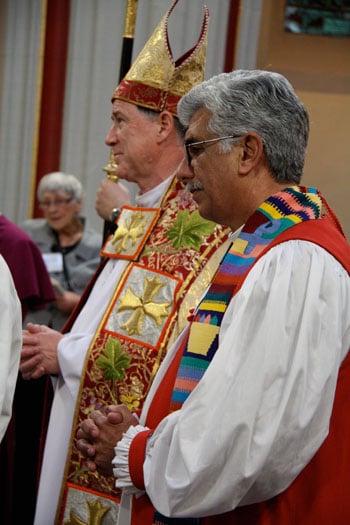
x=10, y=343
x=262, y=408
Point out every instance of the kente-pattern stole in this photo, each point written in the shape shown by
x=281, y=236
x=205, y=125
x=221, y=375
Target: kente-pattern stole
x=275, y=215
x=170, y=255
x=278, y=213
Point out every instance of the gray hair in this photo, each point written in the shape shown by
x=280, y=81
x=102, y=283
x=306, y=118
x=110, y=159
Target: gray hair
x=260, y=101
x=152, y=115
x=57, y=181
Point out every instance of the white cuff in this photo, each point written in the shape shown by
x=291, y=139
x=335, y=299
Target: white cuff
x=120, y=461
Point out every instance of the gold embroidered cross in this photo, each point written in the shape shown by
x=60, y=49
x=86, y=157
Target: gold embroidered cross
x=143, y=306
x=130, y=229
x=96, y=514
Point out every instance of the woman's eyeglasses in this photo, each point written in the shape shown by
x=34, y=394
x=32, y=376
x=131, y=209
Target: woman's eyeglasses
x=58, y=203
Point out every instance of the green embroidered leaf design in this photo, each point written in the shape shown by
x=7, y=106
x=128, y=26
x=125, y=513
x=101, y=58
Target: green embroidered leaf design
x=188, y=230
x=114, y=361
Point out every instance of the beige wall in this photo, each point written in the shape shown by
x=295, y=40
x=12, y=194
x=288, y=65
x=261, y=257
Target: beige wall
x=3, y=11
x=319, y=69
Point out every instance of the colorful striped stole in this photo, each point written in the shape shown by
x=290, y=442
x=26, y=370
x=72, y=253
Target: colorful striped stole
x=278, y=213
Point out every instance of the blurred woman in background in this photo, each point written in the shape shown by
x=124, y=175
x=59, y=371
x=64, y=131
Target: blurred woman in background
x=71, y=250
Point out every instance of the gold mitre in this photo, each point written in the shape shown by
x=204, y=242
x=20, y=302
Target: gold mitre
x=155, y=80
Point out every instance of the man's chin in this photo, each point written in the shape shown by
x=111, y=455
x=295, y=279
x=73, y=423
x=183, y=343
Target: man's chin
x=122, y=174
x=203, y=212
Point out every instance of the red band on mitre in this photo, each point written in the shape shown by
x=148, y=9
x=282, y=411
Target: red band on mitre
x=146, y=96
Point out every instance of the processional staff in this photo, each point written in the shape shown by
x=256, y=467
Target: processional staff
x=125, y=63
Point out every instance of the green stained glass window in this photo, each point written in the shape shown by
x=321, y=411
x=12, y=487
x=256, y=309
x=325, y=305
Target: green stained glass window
x=322, y=17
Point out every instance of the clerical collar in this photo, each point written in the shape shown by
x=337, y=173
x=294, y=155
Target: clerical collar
x=153, y=197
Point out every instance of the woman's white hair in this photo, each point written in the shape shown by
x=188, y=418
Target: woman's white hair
x=57, y=181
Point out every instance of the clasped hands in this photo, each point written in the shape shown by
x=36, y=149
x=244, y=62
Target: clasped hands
x=98, y=436
x=39, y=351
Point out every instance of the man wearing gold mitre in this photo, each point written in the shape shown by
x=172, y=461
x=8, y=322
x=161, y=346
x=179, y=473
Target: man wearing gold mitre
x=160, y=260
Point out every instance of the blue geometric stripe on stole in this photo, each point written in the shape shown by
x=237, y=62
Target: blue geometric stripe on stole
x=191, y=369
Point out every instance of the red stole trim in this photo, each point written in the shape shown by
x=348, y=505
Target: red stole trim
x=330, y=238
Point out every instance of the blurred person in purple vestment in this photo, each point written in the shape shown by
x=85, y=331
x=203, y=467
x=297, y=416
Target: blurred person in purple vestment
x=19, y=449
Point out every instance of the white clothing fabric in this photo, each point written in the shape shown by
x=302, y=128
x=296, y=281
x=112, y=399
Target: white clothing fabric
x=263, y=406
x=10, y=343
x=72, y=351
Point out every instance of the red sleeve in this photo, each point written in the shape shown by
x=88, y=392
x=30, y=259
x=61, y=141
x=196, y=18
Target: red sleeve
x=136, y=458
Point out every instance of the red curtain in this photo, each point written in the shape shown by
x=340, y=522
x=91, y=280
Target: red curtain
x=232, y=28
x=53, y=89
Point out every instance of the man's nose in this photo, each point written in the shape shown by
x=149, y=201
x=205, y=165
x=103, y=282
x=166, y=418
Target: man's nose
x=184, y=171
x=110, y=137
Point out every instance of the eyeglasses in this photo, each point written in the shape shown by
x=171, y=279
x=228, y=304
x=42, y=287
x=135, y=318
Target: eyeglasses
x=193, y=149
x=59, y=203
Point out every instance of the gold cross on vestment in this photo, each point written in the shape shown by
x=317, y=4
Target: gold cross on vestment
x=143, y=306
x=96, y=513
x=129, y=229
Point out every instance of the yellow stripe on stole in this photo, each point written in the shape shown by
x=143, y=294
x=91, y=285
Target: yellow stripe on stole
x=239, y=246
x=213, y=306
x=201, y=337
x=276, y=214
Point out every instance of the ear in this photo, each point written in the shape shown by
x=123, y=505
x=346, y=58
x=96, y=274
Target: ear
x=166, y=124
x=252, y=152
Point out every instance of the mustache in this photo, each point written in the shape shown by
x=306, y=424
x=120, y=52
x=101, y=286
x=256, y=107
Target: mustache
x=192, y=186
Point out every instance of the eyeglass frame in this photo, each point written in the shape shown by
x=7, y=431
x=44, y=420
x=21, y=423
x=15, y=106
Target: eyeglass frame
x=59, y=203
x=188, y=145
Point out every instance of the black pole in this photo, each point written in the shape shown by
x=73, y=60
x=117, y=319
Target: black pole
x=125, y=63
